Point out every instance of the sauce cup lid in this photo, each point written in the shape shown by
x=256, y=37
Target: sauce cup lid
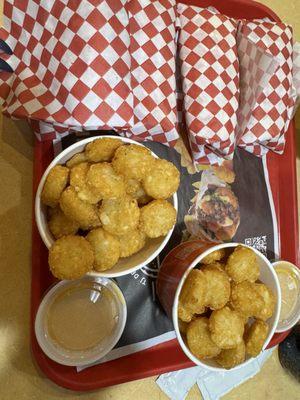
x=92, y=285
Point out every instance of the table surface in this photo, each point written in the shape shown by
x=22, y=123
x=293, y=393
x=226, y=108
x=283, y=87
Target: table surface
x=19, y=377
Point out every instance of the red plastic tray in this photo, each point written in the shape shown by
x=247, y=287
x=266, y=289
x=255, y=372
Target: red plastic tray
x=167, y=356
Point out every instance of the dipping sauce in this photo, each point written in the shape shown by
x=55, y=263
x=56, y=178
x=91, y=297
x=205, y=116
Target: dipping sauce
x=289, y=279
x=81, y=317
x=78, y=322
x=289, y=292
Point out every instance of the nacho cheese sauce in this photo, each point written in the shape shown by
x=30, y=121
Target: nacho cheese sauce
x=82, y=318
x=289, y=292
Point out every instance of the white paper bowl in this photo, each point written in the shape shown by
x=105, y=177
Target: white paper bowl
x=125, y=265
x=267, y=276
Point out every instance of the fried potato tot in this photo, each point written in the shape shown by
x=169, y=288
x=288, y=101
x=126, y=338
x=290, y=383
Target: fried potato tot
x=230, y=358
x=132, y=161
x=135, y=189
x=71, y=257
x=199, y=340
x=104, y=181
x=216, y=255
x=184, y=314
x=106, y=249
x=182, y=327
x=78, y=210
x=226, y=328
x=246, y=299
x=131, y=243
x=218, y=287
x=255, y=337
x=55, y=183
x=162, y=180
x=78, y=176
x=268, y=308
x=119, y=216
x=157, y=218
x=192, y=295
x=102, y=149
x=242, y=265
x=60, y=225
x=76, y=159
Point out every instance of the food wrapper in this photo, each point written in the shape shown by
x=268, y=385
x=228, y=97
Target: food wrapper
x=210, y=81
x=267, y=98
x=90, y=65
x=153, y=49
x=71, y=63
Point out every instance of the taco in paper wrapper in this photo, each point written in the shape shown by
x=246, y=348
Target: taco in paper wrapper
x=214, y=214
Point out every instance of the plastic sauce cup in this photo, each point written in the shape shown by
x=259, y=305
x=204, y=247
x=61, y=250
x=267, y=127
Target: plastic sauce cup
x=79, y=322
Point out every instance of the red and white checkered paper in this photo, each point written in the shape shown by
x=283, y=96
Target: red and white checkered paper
x=267, y=101
x=210, y=81
x=153, y=49
x=71, y=62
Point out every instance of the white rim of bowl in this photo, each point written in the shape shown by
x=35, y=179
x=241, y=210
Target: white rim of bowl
x=38, y=323
x=175, y=306
x=37, y=206
x=296, y=270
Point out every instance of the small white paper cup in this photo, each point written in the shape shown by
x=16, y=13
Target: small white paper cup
x=267, y=276
x=125, y=265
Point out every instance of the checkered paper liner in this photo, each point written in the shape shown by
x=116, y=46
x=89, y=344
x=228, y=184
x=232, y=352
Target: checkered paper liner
x=91, y=65
x=210, y=81
x=267, y=101
x=71, y=62
x=153, y=49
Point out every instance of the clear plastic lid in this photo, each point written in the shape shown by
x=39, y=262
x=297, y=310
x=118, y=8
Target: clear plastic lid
x=289, y=278
x=79, y=322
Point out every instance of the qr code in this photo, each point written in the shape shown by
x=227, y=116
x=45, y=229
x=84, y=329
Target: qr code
x=258, y=242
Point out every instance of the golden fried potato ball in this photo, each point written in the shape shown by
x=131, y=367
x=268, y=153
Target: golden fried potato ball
x=78, y=175
x=76, y=159
x=182, y=327
x=216, y=255
x=246, y=299
x=55, y=183
x=71, y=257
x=104, y=180
x=102, y=149
x=268, y=308
x=255, y=337
x=131, y=243
x=162, y=180
x=135, y=189
x=60, y=225
x=132, y=161
x=78, y=180
x=192, y=296
x=119, y=216
x=106, y=249
x=199, y=339
x=230, y=358
x=78, y=210
x=226, y=328
x=157, y=218
x=242, y=265
x=184, y=314
x=218, y=287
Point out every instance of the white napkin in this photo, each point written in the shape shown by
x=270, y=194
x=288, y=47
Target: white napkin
x=213, y=385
